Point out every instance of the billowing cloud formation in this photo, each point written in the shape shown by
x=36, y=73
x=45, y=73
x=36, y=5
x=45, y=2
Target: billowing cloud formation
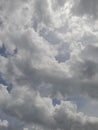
x=47, y=50
x=30, y=107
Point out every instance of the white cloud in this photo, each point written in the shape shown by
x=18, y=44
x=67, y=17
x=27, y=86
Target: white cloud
x=30, y=107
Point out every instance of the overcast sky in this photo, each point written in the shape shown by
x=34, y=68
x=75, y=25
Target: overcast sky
x=48, y=64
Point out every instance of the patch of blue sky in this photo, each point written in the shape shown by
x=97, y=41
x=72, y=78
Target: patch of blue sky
x=56, y=101
x=4, y=82
x=5, y=53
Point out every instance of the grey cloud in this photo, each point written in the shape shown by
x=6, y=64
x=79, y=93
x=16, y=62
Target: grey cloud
x=56, y=4
x=86, y=7
x=41, y=13
x=90, y=52
x=86, y=69
x=50, y=36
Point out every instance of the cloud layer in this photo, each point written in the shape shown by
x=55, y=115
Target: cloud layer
x=48, y=49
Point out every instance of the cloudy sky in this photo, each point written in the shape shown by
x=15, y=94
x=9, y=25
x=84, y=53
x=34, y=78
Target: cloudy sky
x=48, y=64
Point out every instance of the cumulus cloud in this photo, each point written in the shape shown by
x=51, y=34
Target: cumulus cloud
x=48, y=49
x=30, y=107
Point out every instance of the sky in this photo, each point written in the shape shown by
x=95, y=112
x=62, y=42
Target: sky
x=48, y=64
